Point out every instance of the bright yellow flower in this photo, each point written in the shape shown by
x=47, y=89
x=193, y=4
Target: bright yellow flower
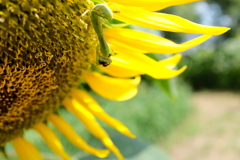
x=49, y=47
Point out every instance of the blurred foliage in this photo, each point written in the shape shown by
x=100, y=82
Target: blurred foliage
x=131, y=149
x=229, y=8
x=150, y=116
x=208, y=69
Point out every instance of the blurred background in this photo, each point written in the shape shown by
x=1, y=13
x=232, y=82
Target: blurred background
x=192, y=117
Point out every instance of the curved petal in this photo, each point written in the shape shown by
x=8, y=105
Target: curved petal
x=192, y=27
x=112, y=88
x=169, y=3
x=152, y=3
x=25, y=150
x=148, y=43
x=146, y=65
x=155, y=70
x=148, y=19
x=67, y=130
x=145, y=18
x=92, y=125
x=137, y=63
x=171, y=62
x=52, y=140
x=119, y=71
x=168, y=73
x=91, y=105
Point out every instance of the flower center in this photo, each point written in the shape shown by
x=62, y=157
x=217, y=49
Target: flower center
x=45, y=47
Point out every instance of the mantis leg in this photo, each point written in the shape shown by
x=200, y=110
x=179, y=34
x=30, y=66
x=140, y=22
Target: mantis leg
x=118, y=9
x=84, y=13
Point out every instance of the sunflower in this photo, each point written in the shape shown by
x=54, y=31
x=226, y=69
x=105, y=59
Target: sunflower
x=48, y=48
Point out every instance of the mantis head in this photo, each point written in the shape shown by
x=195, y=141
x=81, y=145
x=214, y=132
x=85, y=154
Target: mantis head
x=103, y=11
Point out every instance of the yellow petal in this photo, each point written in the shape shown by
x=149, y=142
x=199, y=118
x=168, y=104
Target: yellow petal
x=112, y=88
x=145, y=65
x=127, y=62
x=192, y=27
x=52, y=140
x=145, y=18
x=74, y=138
x=91, y=124
x=154, y=69
x=91, y=105
x=168, y=73
x=154, y=5
x=171, y=62
x=148, y=19
x=25, y=150
x=151, y=3
x=148, y=43
x=120, y=72
x=169, y=3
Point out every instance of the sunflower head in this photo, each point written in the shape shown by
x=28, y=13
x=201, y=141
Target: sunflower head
x=44, y=51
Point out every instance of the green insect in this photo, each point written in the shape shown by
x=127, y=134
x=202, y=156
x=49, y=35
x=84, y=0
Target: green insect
x=97, y=12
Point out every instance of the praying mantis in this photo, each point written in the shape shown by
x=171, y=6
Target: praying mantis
x=104, y=52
